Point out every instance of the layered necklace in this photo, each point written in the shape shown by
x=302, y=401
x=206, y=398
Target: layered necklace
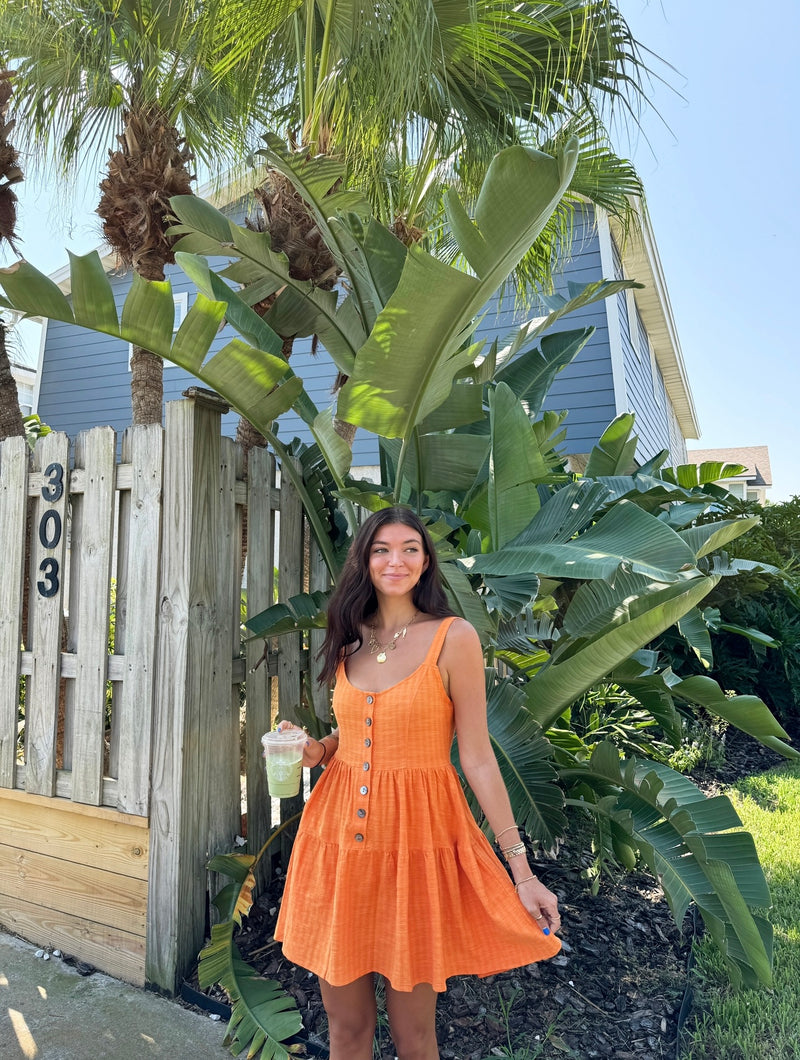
x=380, y=650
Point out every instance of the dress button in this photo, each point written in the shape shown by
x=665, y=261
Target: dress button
x=368, y=742
x=363, y=789
x=361, y=813
x=370, y=699
x=367, y=721
x=366, y=766
x=359, y=837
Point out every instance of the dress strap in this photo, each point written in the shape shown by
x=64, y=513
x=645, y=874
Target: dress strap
x=438, y=641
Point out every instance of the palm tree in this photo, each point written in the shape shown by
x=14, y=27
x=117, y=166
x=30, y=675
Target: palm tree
x=127, y=78
x=416, y=95
x=11, y=422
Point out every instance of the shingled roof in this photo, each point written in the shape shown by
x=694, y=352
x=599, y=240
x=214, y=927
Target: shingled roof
x=754, y=457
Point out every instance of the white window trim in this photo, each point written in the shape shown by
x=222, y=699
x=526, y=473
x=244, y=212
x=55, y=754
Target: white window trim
x=180, y=299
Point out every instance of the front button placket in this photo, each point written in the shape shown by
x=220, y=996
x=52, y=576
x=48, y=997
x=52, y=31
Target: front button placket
x=361, y=810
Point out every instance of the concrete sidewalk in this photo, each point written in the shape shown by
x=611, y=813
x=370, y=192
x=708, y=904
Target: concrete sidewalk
x=49, y=1012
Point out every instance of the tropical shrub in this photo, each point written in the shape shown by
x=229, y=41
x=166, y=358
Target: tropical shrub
x=567, y=579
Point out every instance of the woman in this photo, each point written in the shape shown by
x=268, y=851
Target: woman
x=389, y=872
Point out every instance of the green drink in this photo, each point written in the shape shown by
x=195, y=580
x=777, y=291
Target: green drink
x=284, y=754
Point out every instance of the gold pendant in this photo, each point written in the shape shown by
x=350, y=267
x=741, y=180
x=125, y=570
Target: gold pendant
x=380, y=657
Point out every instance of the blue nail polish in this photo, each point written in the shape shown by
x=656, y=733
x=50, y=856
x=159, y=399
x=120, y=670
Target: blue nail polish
x=546, y=931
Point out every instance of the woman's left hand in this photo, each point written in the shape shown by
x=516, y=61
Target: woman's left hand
x=541, y=903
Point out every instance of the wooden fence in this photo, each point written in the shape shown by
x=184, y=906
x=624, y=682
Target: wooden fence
x=120, y=629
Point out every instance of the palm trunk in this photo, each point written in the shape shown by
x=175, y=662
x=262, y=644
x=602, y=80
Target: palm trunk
x=150, y=166
x=11, y=423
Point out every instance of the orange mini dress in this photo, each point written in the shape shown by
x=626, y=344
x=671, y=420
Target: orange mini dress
x=389, y=872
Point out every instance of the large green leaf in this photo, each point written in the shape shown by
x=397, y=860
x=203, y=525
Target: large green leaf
x=516, y=466
x=531, y=373
x=263, y=1015
x=708, y=537
x=524, y=756
x=579, y=296
x=562, y=680
x=691, y=476
x=748, y=713
x=445, y=461
x=466, y=603
x=569, y=511
x=298, y=613
x=685, y=840
x=615, y=452
x=694, y=629
x=626, y=535
x=598, y=605
x=419, y=342
x=418, y=346
x=511, y=596
x=203, y=229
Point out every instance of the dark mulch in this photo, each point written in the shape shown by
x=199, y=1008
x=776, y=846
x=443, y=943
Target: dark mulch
x=616, y=989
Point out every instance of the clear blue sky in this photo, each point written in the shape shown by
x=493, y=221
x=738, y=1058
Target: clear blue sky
x=721, y=170
x=721, y=185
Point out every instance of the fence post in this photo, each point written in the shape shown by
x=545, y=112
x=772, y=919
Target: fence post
x=261, y=505
x=191, y=734
x=13, y=508
x=46, y=613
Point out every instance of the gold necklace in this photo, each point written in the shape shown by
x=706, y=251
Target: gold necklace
x=391, y=644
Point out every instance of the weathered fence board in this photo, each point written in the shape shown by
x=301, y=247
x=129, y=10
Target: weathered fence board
x=13, y=507
x=75, y=877
x=136, y=610
x=45, y=617
x=262, y=503
x=70, y=832
x=91, y=548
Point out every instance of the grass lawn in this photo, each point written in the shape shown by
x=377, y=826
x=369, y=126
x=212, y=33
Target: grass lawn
x=758, y=1024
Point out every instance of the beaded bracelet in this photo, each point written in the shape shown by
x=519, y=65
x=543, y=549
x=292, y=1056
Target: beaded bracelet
x=511, y=828
x=515, y=851
x=526, y=880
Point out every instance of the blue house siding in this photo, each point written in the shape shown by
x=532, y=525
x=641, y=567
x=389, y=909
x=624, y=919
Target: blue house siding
x=646, y=394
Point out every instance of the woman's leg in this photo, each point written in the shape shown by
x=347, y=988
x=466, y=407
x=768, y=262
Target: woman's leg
x=412, y=1021
x=352, y=1014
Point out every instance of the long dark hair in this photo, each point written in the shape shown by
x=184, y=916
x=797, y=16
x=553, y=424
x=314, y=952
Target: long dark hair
x=354, y=599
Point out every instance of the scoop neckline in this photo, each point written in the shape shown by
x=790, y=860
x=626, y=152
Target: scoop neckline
x=402, y=681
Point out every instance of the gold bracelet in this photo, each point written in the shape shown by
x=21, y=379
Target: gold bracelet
x=511, y=828
x=526, y=880
x=515, y=851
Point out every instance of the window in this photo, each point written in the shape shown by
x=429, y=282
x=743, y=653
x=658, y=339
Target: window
x=181, y=306
x=25, y=394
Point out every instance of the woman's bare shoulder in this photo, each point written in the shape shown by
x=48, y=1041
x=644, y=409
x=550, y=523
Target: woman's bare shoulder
x=462, y=636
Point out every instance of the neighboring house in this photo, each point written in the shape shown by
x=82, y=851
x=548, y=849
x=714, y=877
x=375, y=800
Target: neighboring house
x=752, y=484
x=23, y=337
x=25, y=378
x=633, y=362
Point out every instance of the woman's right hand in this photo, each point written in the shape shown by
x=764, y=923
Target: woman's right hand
x=313, y=748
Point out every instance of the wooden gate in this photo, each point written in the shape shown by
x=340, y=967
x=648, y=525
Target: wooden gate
x=121, y=676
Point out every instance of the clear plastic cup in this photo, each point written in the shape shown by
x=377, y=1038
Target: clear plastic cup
x=283, y=752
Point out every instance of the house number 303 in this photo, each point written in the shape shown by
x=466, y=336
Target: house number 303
x=50, y=529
